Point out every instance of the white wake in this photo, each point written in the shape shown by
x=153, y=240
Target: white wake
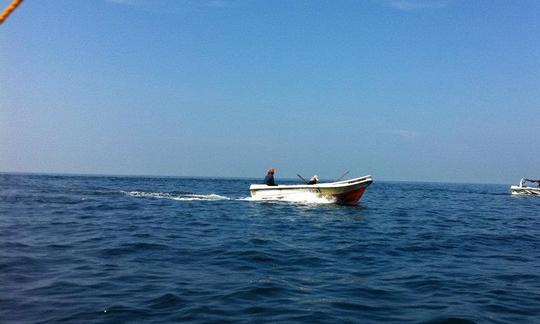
x=300, y=198
x=181, y=197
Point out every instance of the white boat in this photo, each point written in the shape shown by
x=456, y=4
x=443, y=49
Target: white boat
x=522, y=189
x=517, y=190
x=344, y=192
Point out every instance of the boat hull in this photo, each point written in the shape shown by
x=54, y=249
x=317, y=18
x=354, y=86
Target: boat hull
x=525, y=191
x=344, y=192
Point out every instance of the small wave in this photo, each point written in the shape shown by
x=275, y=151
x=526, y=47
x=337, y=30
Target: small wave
x=166, y=195
x=168, y=301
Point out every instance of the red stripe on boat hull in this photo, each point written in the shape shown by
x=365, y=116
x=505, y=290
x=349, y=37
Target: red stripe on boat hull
x=352, y=197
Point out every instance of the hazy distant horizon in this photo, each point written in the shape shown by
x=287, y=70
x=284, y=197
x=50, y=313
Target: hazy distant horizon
x=253, y=178
x=409, y=90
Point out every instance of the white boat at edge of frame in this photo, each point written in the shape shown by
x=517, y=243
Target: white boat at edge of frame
x=523, y=189
x=346, y=192
x=528, y=191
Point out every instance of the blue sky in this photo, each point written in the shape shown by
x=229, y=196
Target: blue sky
x=435, y=90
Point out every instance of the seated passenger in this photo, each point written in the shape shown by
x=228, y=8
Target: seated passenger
x=269, y=179
x=313, y=180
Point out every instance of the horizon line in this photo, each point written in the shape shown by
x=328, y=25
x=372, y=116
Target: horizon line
x=210, y=177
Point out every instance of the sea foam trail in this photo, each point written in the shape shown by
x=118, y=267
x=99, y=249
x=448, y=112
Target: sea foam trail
x=303, y=198
x=166, y=195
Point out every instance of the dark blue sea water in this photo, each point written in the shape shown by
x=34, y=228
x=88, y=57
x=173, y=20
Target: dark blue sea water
x=132, y=249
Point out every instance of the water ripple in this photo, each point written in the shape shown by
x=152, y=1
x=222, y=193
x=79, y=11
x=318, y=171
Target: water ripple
x=135, y=249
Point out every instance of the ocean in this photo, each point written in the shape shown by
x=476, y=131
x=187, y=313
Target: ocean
x=111, y=249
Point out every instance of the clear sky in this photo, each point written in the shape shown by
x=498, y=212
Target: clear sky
x=434, y=90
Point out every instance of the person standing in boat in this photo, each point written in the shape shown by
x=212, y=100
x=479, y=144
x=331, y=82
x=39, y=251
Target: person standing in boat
x=313, y=180
x=269, y=179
